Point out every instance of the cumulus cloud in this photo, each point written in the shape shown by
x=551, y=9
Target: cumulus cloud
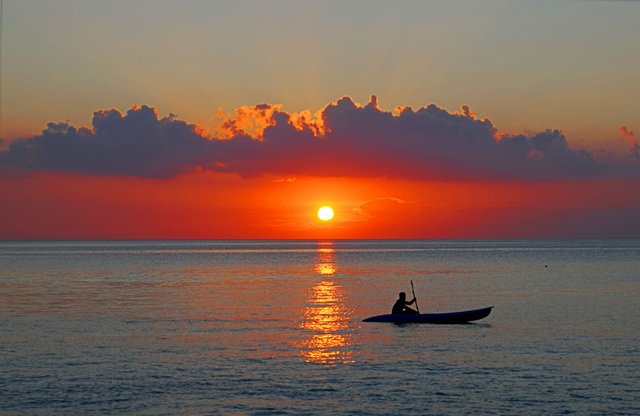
x=136, y=143
x=343, y=139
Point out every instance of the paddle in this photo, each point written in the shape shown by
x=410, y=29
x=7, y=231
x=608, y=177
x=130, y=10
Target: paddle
x=414, y=296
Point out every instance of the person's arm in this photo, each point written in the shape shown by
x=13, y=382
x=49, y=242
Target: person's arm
x=412, y=301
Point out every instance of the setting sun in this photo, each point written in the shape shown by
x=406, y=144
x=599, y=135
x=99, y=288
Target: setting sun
x=325, y=213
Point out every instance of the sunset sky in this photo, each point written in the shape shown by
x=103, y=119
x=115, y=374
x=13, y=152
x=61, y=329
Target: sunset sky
x=239, y=119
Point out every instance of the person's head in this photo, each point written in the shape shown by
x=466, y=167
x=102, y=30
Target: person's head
x=402, y=295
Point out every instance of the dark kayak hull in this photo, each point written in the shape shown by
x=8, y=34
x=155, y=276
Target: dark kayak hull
x=461, y=317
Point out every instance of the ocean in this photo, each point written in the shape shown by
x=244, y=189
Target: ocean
x=275, y=327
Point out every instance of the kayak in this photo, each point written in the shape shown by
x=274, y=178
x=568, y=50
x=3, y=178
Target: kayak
x=434, y=318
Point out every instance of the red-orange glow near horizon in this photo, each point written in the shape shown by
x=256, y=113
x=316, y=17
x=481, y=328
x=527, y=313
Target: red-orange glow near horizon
x=215, y=205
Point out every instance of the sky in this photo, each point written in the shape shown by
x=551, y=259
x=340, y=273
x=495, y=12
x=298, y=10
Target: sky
x=239, y=119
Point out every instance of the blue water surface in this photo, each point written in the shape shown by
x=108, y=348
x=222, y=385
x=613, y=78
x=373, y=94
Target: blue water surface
x=275, y=327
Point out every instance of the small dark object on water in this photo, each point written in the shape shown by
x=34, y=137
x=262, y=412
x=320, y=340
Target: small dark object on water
x=461, y=317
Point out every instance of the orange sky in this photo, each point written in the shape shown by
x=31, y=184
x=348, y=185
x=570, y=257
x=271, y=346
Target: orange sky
x=415, y=173
x=215, y=205
x=236, y=120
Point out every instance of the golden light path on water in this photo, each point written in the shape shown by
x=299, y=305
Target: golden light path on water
x=325, y=262
x=326, y=317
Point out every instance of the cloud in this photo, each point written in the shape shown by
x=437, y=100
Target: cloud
x=385, y=208
x=136, y=144
x=629, y=138
x=343, y=139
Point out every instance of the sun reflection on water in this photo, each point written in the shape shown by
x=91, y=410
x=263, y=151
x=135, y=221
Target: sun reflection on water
x=325, y=260
x=326, y=318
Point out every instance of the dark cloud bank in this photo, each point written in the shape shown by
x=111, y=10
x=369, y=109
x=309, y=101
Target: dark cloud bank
x=346, y=140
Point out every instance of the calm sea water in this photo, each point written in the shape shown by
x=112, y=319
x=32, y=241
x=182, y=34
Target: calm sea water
x=274, y=327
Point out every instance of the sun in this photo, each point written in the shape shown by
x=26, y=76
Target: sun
x=325, y=213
